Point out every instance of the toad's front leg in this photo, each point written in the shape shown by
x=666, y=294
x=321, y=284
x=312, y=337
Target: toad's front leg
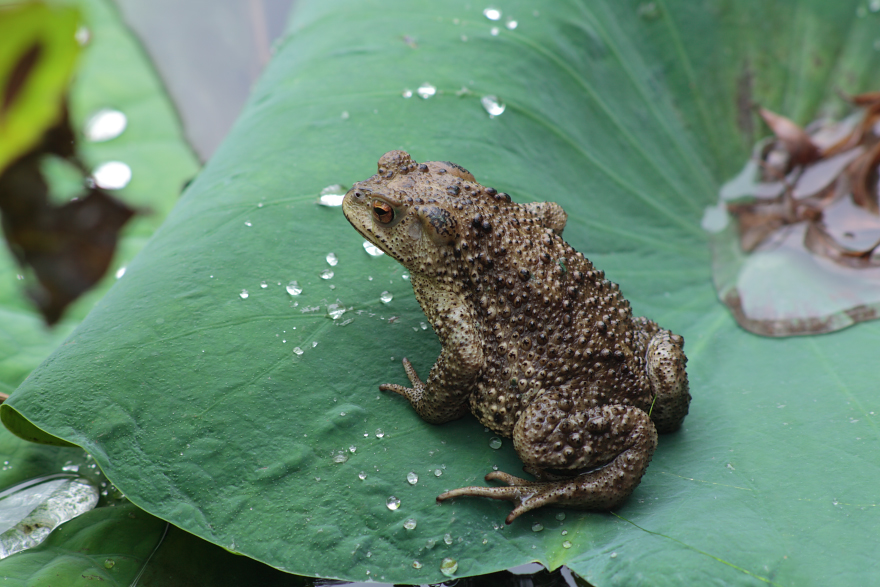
x=612, y=445
x=444, y=396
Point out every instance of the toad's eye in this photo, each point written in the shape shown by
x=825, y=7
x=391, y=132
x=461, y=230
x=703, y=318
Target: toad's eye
x=382, y=212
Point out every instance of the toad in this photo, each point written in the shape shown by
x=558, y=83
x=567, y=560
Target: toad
x=536, y=343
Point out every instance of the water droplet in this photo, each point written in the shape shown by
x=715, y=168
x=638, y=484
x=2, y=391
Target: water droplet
x=362, y=475
x=565, y=532
x=109, y=563
x=431, y=543
x=412, y=478
x=345, y=115
x=104, y=125
x=537, y=527
x=332, y=260
x=244, y=294
x=448, y=566
x=426, y=90
x=566, y=544
x=560, y=516
x=492, y=13
x=447, y=538
x=248, y=223
x=423, y=325
x=340, y=457
x=335, y=311
x=294, y=289
x=495, y=442
x=120, y=272
x=379, y=433
x=405, y=276
x=82, y=36
x=372, y=249
x=874, y=5
x=613, y=555
x=407, y=93
x=492, y=105
x=326, y=274
x=437, y=472
x=69, y=467
x=511, y=24
x=410, y=524
x=113, y=175
x=332, y=195
x=297, y=350
x=386, y=297
x=494, y=31
x=393, y=503
x=417, y=565
x=314, y=343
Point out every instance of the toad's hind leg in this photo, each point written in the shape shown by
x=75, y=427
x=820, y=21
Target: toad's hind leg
x=666, y=371
x=612, y=444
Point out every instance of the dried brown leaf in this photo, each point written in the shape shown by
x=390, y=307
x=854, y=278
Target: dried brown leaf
x=865, y=99
x=819, y=242
x=797, y=142
x=865, y=180
x=757, y=222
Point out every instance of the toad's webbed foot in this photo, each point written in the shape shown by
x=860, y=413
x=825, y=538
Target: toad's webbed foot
x=581, y=492
x=526, y=495
x=414, y=393
x=434, y=402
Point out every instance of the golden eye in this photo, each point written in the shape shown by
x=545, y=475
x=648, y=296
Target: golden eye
x=382, y=212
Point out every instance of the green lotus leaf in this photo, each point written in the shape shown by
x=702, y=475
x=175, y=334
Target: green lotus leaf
x=251, y=417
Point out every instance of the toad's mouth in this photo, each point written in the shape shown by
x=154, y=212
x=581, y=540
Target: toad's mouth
x=375, y=241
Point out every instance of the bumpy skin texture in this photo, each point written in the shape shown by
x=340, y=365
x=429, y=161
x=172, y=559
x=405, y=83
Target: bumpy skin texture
x=536, y=343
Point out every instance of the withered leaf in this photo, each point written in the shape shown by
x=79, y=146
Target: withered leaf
x=68, y=247
x=865, y=180
x=757, y=222
x=819, y=242
x=864, y=99
x=797, y=142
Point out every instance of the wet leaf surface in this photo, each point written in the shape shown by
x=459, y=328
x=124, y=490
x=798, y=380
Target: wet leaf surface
x=232, y=408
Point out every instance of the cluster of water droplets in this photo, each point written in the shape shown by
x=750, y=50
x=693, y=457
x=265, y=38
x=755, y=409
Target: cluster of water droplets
x=105, y=125
x=490, y=103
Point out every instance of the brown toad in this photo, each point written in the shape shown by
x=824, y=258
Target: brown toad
x=536, y=342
